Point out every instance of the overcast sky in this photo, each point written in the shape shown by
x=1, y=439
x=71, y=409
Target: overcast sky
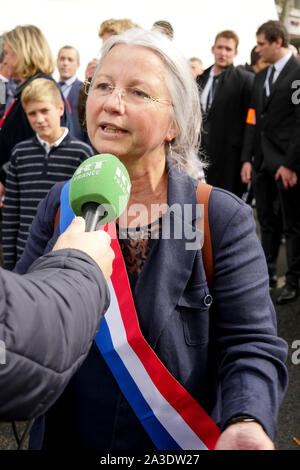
x=195, y=22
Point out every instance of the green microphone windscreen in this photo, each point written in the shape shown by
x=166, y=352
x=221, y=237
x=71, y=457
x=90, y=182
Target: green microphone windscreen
x=101, y=179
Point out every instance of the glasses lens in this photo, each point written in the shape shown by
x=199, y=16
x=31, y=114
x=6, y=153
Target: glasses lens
x=130, y=95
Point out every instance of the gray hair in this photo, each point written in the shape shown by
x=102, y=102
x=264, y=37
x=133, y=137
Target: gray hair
x=185, y=110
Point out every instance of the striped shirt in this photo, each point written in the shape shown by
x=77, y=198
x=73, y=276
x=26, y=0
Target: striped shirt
x=34, y=168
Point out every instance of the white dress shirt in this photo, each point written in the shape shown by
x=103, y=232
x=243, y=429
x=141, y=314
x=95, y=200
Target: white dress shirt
x=47, y=146
x=279, y=65
x=65, y=85
x=206, y=90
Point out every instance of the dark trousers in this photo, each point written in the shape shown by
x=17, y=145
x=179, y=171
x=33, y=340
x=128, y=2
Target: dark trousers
x=278, y=209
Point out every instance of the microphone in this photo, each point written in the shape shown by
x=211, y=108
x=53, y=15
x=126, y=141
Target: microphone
x=99, y=190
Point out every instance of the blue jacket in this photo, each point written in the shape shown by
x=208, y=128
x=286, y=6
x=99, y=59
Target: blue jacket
x=228, y=356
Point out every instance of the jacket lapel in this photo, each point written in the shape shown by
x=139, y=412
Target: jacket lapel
x=72, y=92
x=260, y=80
x=169, y=264
x=221, y=83
x=281, y=77
x=201, y=82
x=202, y=79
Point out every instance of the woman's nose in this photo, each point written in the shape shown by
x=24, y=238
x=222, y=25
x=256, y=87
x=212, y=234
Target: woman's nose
x=115, y=102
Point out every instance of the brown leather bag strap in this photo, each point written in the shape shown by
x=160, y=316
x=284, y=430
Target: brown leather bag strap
x=203, y=194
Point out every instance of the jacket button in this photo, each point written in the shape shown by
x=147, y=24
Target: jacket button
x=207, y=300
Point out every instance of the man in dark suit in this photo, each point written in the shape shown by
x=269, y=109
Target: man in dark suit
x=225, y=93
x=68, y=63
x=271, y=152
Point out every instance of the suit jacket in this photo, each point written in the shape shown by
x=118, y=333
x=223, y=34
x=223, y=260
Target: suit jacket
x=223, y=127
x=275, y=138
x=227, y=355
x=73, y=101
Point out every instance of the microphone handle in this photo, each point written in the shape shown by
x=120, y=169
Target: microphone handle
x=92, y=213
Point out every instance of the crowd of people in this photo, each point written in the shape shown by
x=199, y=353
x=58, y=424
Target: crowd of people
x=173, y=124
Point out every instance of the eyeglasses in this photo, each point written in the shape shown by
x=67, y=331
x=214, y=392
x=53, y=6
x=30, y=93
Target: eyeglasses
x=131, y=95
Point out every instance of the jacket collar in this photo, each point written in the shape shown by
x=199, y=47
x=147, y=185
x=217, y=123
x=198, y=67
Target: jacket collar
x=64, y=140
x=202, y=79
x=181, y=187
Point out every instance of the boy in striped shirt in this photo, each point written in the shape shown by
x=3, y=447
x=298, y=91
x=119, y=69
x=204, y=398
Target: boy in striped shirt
x=36, y=164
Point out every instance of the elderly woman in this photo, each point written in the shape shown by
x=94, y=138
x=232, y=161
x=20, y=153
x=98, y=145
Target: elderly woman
x=223, y=357
x=107, y=29
x=28, y=56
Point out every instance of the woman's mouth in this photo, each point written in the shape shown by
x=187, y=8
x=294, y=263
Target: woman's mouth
x=109, y=129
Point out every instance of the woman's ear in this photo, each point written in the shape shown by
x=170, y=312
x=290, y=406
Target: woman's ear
x=172, y=132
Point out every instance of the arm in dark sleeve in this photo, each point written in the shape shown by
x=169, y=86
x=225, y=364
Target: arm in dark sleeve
x=247, y=91
x=251, y=356
x=249, y=130
x=248, y=143
x=48, y=319
x=250, y=123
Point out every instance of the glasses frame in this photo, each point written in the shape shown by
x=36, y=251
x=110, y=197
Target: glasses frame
x=148, y=100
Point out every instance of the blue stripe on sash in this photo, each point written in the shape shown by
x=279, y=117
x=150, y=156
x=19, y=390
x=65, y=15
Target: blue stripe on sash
x=158, y=434
x=66, y=213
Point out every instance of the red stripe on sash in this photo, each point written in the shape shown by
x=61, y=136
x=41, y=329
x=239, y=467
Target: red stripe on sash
x=169, y=387
x=6, y=113
x=69, y=106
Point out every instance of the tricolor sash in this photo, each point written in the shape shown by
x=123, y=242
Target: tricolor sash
x=168, y=413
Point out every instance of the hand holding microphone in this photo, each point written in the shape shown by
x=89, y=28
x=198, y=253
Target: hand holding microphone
x=95, y=244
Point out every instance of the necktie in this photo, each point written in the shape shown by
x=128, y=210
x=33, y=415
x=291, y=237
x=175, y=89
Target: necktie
x=270, y=80
x=63, y=87
x=211, y=92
